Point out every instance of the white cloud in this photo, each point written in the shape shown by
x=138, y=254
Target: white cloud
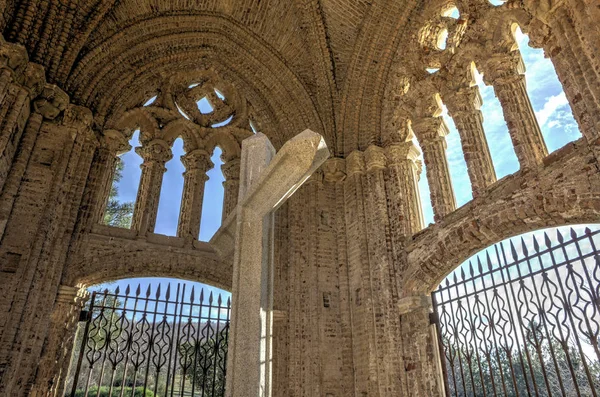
x=550, y=108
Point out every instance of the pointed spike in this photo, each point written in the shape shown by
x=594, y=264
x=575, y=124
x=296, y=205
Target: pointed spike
x=447, y=282
x=229, y=302
x=158, y=292
x=192, y=295
x=455, y=279
x=536, y=246
x=210, y=298
x=462, y=274
x=219, y=300
x=479, y=266
x=168, y=294
x=524, y=247
x=471, y=272
x=547, y=240
x=489, y=261
x=117, y=290
x=559, y=236
x=127, y=290
x=106, y=291
x=202, y=295
x=588, y=231
x=573, y=233
x=148, y=291
x=513, y=251
x=138, y=291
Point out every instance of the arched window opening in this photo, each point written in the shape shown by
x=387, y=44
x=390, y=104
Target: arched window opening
x=496, y=3
x=424, y=192
x=150, y=101
x=166, y=336
x=501, y=146
x=522, y=315
x=123, y=192
x=432, y=70
x=223, y=123
x=442, y=39
x=456, y=162
x=204, y=106
x=451, y=12
x=253, y=127
x=547, y=97
x=212, y=204
x=219, y=94
x=184, y=114
x=170, y=193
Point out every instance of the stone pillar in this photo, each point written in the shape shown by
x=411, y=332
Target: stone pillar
x=56, y=354
x=231, y=171
x=505, y=73
x=431, y=133
x=424, y=375
x=155, y=153
x=196, y=163
x=103, y=171
x=556, y=34
x=463, y=106
x=404, y=170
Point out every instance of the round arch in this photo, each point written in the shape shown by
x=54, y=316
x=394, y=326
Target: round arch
x=102, y=265
x=520, y=203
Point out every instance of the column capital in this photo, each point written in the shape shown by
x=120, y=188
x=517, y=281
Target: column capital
x=198, y=159
x=430, y=129
x=500, y=69
x=231, y=169
x=334, y=170
x=155, y=151
x=375, y=158
x=115, y=142
x=465, y=99
x=400, y=153
x=355, y=163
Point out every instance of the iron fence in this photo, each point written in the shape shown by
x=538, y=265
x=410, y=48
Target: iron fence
x=523, y=318
x=153, y=344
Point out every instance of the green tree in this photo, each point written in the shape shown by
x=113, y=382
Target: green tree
x=118, y=214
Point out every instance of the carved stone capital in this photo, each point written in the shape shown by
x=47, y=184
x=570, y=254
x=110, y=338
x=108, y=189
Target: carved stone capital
x=231, y=169
x=375, y=158
x=402, y=152
x=34, y=79
x=13, y=57
x=156, y=151
x=77, y=117
x=355, y=163
x=502, y=69
x=430, y=129
x=51, y=102
x=198, y=159
x=334, y=170
x=463, y=100
x=115, y=142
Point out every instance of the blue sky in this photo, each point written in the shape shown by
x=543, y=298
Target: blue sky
x=544, y=89
x=552, y=110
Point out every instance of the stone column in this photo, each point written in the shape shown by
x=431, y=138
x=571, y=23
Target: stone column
x=103, y=171
x=463, y=106
x=404, y=170
x=431, y=133
x=231, y=171
x=505, y=73
x=196, y=163
x=424, y=375
x=56, y=354
x=155, y=154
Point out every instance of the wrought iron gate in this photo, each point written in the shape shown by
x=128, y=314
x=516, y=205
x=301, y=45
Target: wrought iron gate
x=523, y=319
x=153, y=344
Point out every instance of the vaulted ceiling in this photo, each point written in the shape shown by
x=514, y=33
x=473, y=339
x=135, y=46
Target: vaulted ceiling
x=319, y=64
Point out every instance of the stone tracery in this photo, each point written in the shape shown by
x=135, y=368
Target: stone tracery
x=353, y=234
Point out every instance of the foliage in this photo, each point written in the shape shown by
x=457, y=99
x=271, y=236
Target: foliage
x=118, y=214
x=116, y=392
x=209, y=372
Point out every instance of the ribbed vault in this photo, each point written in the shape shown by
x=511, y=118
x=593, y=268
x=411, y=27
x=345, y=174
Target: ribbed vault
x=122, y=71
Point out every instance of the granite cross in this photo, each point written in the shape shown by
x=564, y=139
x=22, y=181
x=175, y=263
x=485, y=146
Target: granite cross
x=266, y=181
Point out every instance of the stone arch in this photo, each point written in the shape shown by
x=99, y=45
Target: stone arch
x=185, y=129
x=100, y=264
x=557, y=195
x=205, y=40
